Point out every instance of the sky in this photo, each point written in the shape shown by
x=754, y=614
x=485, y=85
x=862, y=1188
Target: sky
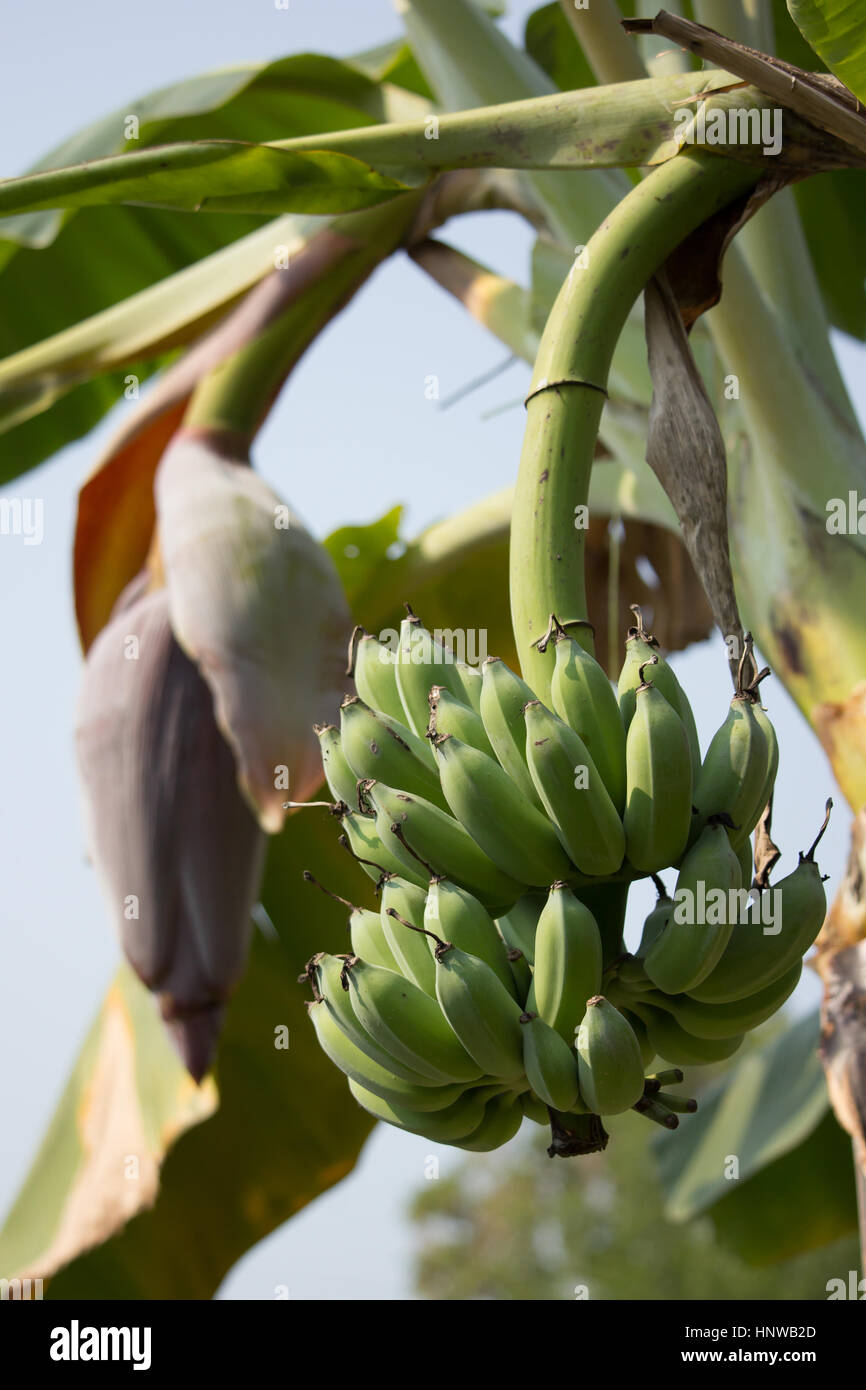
x=352, y=435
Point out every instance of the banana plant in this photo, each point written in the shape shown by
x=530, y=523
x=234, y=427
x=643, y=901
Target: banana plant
x=311, y=171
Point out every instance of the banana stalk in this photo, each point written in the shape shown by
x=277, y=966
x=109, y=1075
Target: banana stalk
x=569, y=387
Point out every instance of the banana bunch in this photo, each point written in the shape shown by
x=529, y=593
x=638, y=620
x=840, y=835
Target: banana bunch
x=502, y=835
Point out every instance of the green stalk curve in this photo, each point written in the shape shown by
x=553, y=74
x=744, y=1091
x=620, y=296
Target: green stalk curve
x=234, y=397
x=569, y=387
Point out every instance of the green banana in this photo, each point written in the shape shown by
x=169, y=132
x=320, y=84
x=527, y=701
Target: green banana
x=640, y=648
x=341, y=780
x=409, y=948
x=481, y=1011
x=377, y=746
x=549, y=1063
x=534, y=1109
x=583, y=697
x=727, y=1020
x=658, y=809
x=503, y=697
x=372, y=854
x=370, y=940
x=458, y=1121
x=423, y=662
x=346, y=1055
x=734, y=773
x=674, y=1044
x=374, y=668
x=517, y=837
x=647, y=1051
x=568, y=962
x=442, y=843
x=585, y=818
x=766, y=791
x=470, y=677
x=454, y=915
x=752, y=959
x=448, y=715
x=609, y=1065
x=521, y=974
x=502, y=1119
x=656, y=920
x=686, y=952
x=407, y=1023
x=326, y=973
x=517, y=927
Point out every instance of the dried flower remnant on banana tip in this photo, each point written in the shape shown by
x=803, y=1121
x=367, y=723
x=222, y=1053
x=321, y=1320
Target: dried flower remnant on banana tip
x=176, y=848
x=257, y=604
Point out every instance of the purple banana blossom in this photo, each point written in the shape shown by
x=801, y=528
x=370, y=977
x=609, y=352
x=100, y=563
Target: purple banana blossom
x=176, y=847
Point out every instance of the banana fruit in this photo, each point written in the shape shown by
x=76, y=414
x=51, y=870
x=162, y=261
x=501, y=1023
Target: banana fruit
x=484, y=1016
x=609, y=1064
x=441, y=843
x=514, y=835
x=549, y=1063
x=759, y=953
x=583, y=698
x=448, y=715
x=407, y=1023
x=502, y=836
x=658, y=808
x=376, y=746
x=374, y=668
x=503, y=698
x=716, y=1020
x=568, y=962
x=640, y=648
x=454, y=915
x=402, y=923
x=573, y=793
x=687, y=950
x=737, y=773
x=341, y=780
x=422, y=662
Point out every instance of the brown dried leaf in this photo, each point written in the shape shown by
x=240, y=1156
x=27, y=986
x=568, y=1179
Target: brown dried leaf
x=686, y=451
x=843, y=1041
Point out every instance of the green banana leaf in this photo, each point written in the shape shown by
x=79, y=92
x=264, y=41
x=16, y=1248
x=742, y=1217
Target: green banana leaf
x=770, y=1114
x=208, y=175
x=148, y=325
x=836, y=30
x=50, y=279
x=549, y=39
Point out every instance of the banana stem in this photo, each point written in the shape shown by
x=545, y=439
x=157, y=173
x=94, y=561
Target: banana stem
x=611, y=54
x=569, y=384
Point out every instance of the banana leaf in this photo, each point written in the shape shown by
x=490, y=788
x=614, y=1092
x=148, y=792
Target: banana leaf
x=50, y=280
x=764, y=1143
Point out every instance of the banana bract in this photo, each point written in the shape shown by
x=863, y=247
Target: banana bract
x=494, y=984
